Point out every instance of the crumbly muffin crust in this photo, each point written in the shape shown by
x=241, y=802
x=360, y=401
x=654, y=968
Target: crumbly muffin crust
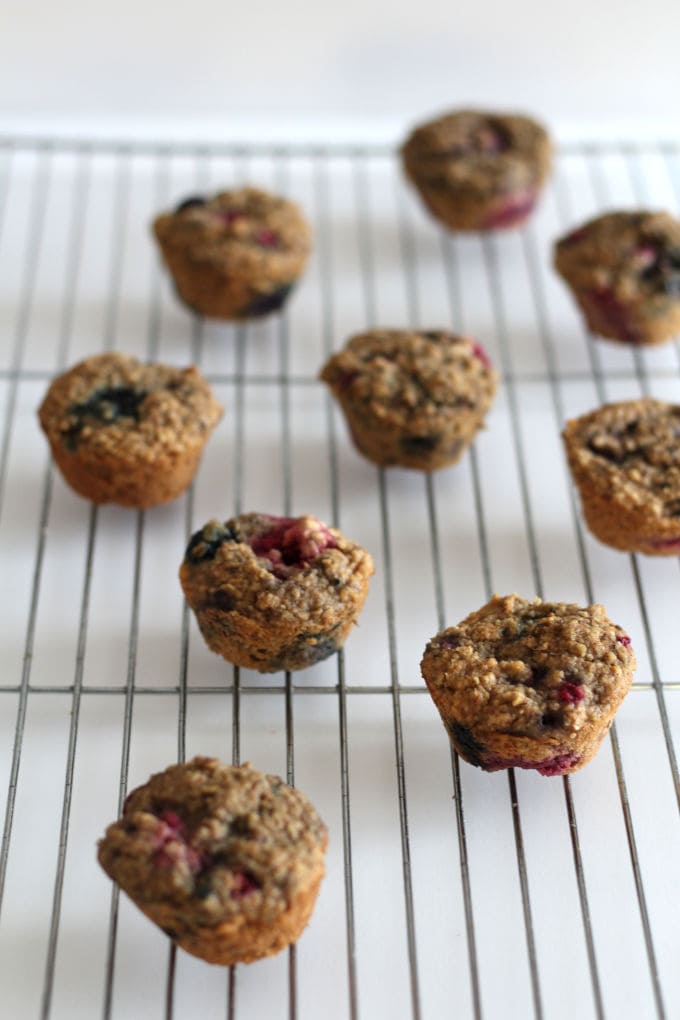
x=529, y=684
x=477, y=170
x=625, y=460
x=623, y=269
x=225, y=859
x=129, y=433
x=272, y=593
x=237, y=255
x=414, y=399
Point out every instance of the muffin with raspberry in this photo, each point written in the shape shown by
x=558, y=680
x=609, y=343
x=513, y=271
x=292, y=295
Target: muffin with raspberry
x=225, y=859
x=237, y=255
x=531, y=685
x=411, y=398
x=623, y=270
x=478, y=170
x=125, y=432
x=274, y=593
x=625, y=460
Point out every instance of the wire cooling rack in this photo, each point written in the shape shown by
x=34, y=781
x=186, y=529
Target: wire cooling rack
x=449, y=892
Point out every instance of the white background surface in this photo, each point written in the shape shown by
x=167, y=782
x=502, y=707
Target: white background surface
x=589, y=65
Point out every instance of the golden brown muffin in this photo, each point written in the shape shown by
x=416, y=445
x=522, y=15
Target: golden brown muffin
x=124, y=432
x=226, y=860
x=237, y=255
x=625, y=460
x=623, y=270
x=272, y=593
x=477, y=170
x=413, y=399
x=531, y=685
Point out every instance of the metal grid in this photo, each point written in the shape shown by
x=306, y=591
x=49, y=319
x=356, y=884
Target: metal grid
x=449, y=892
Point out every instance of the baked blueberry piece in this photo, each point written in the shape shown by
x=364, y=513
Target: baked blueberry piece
x=625, y=460
x=531, y=685
x=623, y=269
x=476, y=170
x=226, y=860
x=273, y=593
x=414, y=399
x=124, y=432
x=237, y=255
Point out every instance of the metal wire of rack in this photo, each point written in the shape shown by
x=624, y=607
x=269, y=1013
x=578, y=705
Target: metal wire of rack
x=448, y=892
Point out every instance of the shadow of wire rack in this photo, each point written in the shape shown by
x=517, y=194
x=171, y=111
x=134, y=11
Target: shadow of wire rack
x=449, y=892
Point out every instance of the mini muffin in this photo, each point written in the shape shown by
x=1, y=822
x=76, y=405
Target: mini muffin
x=623, y=269
x=237, y=255
x=531, y=685
x=273, y=593
x=625, y=459
x=226, y=860
x=124, y=432
x=413, y=399
x=477, y=170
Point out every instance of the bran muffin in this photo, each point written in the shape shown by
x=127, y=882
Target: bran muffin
x=124, y=432
x=623, y=270
x=532, y=685
x=237, y=255
x=413, y=399
x=274, y=593
x=476, y=170
x=625, y=460
x=225, y=859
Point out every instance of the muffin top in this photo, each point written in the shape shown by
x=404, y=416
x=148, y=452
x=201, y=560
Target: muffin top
x=628, y=253
x=395, y=374
x=114, y=406
x=478, y=151
x=631, y=451
x=215, y=841
x=272, y=566
x=237, y=231
x=529, y=668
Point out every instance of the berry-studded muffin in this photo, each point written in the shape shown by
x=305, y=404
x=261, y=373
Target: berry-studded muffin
x=274, y=593
x=623, y=269
x=531, y=685
x=478, y=171
x=226, y=860
x=625, y=460
x=129, y=433
x=237, y=255
x=413, y=399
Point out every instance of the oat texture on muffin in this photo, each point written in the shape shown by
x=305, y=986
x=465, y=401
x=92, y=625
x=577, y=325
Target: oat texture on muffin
x=623, y=269
x=125, y=432
x=274, y=593
x=236, y=255
x=478, y=170
x=625, y=460
x=412, y=398
x=529, y=684
x=225, y=859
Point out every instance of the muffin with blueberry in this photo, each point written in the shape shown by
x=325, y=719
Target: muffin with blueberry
x=237, y=255
x=412, y=398
x=125, y=432
x=225, y=859
x=529, y=684
x=274, y=593
x=623, y=270
x=477, y=170
x=625, y=460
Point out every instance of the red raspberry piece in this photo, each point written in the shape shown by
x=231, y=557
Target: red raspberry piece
x=267, y=238
x=481, y=354
x=570, y=693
